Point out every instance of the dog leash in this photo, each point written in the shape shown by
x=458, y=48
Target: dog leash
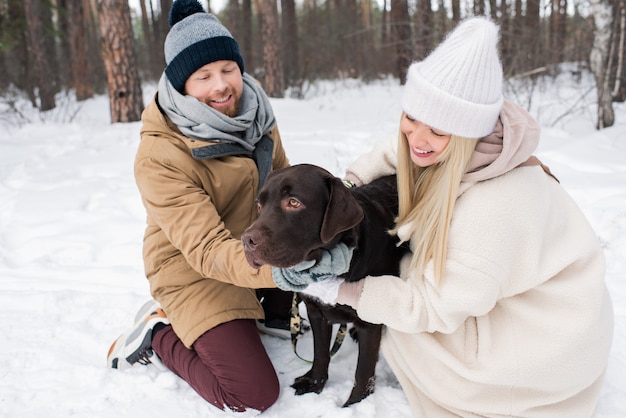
x=295, y=324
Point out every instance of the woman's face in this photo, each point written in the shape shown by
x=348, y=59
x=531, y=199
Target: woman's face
x=219, y=84
x=425, y=143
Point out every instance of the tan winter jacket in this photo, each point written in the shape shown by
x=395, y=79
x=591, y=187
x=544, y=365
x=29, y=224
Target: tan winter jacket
x=196, y=213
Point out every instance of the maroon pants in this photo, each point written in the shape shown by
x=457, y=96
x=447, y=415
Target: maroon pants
x=228, y=365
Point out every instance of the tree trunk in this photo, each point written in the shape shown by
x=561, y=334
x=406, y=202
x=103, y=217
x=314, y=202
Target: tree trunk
x=50, y=45
x=385, y=36
x=518, y=59
x=619, y=39
x=36, y=35
x=162, y=22
x=401, y=33
x=603, y=19
x=160, y=28
x=333, y=60
x=456, y=12
x=94, y=55
x=245, y=37
x=493, y=9
x=479, y=7
x=4, y=81
x=558, y=30
x=125, y=96
x=533, y=36
x=23, y=70
x=506, y=38
x=312, y=58
x=273, y=69
x=350, y=24
x=367, y=46
x=290, y=52
x=155, y=66
x=65, y=71
x=424, y=28
x=234, y=15
x=81, y=80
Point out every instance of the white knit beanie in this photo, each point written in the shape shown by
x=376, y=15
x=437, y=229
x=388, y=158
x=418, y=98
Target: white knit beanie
x=458, y=87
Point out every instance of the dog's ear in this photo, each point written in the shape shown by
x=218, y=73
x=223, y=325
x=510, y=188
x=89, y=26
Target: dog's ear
x=342, y=212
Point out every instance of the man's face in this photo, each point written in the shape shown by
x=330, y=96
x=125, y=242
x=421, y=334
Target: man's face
x=219, y=84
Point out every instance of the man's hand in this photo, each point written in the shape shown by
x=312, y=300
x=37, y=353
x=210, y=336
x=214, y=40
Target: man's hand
x=333, y=263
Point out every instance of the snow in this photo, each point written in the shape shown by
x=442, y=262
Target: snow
x=71, y=227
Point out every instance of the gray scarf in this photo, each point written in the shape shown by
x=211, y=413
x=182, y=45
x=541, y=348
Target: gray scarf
x=198, y=120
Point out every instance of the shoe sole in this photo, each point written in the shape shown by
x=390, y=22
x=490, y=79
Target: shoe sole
x=146, y=309
x=133, y=341
x=275, y=332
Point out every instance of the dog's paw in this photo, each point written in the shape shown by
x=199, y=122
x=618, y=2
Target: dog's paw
x=360, y=392
x=309, y=384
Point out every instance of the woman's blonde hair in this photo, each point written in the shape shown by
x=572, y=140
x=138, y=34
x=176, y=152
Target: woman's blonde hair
x=426, y=197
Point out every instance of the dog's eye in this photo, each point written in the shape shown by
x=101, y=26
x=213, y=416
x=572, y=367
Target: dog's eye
x=258, y=205
x=293, y=202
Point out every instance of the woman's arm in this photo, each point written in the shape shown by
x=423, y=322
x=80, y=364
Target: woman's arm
x=379, y=162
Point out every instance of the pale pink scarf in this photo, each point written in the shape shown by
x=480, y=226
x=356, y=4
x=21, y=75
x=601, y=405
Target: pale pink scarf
x=512, y=142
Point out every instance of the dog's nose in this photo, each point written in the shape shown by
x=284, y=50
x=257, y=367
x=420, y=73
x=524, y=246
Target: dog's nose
x=249, y=240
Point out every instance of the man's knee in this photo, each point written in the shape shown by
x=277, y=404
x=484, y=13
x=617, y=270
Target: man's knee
x=259, y=397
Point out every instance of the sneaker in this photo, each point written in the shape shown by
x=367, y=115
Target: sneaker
x=147, y=308
x=280, y=328
x=277, y=327
x=135, y=346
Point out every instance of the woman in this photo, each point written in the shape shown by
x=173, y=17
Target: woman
x=502, y=309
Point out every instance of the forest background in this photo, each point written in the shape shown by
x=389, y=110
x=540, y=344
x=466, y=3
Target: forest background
x=53, y=48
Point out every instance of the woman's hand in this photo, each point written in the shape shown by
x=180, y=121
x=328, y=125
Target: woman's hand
x=325, y=291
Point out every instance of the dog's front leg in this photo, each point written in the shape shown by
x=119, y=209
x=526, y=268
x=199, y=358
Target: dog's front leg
x=368, y=336
x=315, y=379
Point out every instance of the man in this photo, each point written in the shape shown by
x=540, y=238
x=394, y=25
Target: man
x=208, y=140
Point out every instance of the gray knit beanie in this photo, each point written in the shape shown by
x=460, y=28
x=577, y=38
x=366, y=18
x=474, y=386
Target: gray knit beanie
x=458, y=87
x=196, y=38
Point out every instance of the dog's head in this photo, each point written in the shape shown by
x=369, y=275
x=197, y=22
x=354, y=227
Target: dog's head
x=302, y=209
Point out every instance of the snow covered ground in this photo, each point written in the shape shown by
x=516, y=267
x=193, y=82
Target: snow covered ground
x=71, y=226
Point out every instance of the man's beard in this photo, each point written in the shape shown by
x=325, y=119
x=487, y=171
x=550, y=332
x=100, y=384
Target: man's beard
x=230, y=111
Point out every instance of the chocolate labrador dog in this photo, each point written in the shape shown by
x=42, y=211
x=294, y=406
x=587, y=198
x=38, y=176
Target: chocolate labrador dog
x=304, y=209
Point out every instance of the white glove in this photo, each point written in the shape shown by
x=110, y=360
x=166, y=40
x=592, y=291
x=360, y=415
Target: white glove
x=325, y=290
